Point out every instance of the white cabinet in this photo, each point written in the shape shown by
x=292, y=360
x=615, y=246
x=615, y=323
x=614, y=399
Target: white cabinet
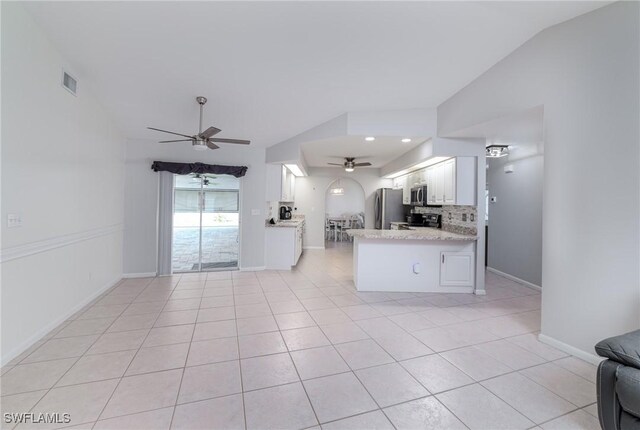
x=456, y=268
x=280, y=184
x=406, y=192
x=449, y=183
x=283, y=247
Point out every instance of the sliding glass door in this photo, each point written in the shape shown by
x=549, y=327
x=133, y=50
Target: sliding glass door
x=205, y=223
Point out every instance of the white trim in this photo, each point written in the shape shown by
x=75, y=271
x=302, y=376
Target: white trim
x=140, y=275
x=516, y=279
x=46, y=329
x=313, y=247
x=480, y=292
x=21, y=251
x=253, y=269
x=586, y=356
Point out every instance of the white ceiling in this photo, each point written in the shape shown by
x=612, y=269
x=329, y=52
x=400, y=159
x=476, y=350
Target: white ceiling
x=272, y=70
x=379, y=152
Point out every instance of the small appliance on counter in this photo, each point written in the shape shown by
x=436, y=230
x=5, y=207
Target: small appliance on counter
x=285, y=212
x=424, y=220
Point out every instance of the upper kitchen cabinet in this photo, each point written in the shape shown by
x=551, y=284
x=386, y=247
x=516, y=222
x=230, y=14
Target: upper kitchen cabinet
x=280, y=183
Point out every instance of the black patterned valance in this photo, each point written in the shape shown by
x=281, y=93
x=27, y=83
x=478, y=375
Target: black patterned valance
x=187, y=168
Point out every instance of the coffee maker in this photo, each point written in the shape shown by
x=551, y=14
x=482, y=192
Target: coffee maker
x=285, y=212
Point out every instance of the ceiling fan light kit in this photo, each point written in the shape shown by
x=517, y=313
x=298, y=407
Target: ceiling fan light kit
x=203, y=140
x=350, y=164
x=497, y=151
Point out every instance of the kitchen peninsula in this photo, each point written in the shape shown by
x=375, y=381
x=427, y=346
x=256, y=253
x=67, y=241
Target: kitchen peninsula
x=415, y=260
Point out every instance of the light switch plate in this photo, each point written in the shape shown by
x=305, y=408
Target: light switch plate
x=13, y=220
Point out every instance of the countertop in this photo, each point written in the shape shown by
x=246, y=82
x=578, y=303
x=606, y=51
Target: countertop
x=291, y=223
x=416, y=233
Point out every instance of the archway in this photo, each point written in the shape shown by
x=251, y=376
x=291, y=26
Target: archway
x=344, y=208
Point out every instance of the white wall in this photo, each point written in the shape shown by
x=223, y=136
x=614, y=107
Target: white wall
x=351, y=202
x=515, y=219
x=63, y=173
x=585, y=74
x=141, y=199
x=310, y=198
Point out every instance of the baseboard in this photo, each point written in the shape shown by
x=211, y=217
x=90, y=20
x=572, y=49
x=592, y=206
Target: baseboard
x=140, y=275
x=46, y=329
x=480, y=292
x=583, y=355
x=313, y=247
x=253, y=269
x=516, y=279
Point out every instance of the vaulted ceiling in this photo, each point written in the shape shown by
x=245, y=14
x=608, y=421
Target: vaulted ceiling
x=274, y=69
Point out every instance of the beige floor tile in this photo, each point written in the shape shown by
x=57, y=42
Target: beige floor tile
x=579, y=367
x=216, y=302
x=216, y=314
x=143, y=308
x=338, y=396
x=158, y=358
x=97, y=368
x=403, y=347
x=476, y=363
x=531, y=343
x=85, y=327
x=213, y=351
x=159, y=419
x=390, y=384
x=303, y=338
x=567, y=385
x=182, y=305
x=34, y=376
x=18, y=403
x=144, y=393
x=324, y=361
x=411, y=322
x=122, y=341
x=261, y=344
x=344, y=332
x=210, y=380
x=477, y=408
x=176, y=318
x=440, y=316
x=293, y=320
x=287, y=307
x=61, y=348
x=103, y=311
x=169, y=335
x=133, y=322
x=329, y=316
x=511, y=354
x=363, y=353
x=427, y=414
x=375, y=420
x=592, y=409
x=380, y=327
x=255, y=325
x=220, y=413
x=532, y=400
x=453, y=336
x=360, y=312
x=282, y=407
x=215, y=330
x=82, y=402
x=268, y=371
x=436, y=373
x=249, y=311
x=578, y=420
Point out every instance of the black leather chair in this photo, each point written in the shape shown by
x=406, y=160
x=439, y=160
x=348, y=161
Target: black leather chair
x=618, y=382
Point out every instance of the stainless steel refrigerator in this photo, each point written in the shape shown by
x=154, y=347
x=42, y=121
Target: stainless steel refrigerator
x=388, y=208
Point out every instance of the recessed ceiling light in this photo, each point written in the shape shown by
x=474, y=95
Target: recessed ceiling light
x=369, y=138
x=406, y=140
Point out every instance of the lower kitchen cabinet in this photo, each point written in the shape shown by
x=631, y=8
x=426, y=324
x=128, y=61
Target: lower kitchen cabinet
x=456, y=268
x=283, y=247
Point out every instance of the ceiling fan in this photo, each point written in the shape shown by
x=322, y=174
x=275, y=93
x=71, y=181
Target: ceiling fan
x=350, y=164
x=203, y=139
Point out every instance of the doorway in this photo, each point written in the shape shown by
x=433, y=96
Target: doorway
x=206, y=223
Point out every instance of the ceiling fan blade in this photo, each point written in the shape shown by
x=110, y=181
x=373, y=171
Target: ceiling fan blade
x=211, y=145
x=170, y=132
x=336, y=164
x=362, y=164
x=171, y=141
x=238, y=141
x=209, y=132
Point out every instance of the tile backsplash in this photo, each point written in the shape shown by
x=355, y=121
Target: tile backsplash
x=456, y=219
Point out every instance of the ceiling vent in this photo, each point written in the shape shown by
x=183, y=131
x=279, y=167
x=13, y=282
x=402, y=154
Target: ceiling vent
x=69, y=82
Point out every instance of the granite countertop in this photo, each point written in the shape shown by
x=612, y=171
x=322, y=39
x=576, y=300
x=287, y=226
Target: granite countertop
x=416, y=233
x=290, y=223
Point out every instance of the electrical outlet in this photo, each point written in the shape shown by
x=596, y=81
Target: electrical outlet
x=464, y=217
x=472, y=217
x=14, y=220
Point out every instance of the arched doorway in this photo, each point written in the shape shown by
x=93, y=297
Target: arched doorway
x=344, y=209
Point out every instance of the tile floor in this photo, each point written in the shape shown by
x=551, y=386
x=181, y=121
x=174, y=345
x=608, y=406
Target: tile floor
x=301, y=349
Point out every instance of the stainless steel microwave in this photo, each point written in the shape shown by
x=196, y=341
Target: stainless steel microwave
x=419, y=196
